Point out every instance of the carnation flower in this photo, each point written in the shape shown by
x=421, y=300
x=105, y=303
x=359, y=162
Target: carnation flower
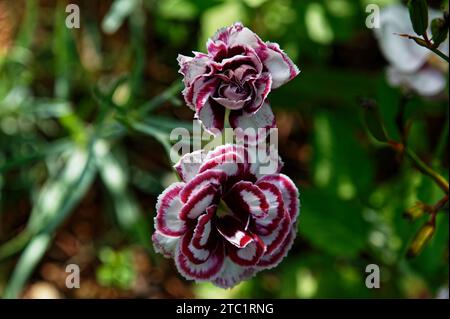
x=237, y=73
x=411, y=65
x=224, y=221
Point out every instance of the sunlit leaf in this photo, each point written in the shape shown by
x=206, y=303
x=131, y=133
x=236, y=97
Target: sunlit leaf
x=56, y=200
x=114, y=175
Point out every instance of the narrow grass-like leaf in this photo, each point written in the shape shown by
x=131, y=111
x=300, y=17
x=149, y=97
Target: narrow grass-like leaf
x=165, y=96
x=56, y=200
x=117, y=14
x=161, y=136
x=43, y=151
x=55, y=192
x=114, y=175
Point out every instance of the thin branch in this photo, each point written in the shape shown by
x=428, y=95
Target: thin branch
x=442, y=142
x=427, y=170
x=426, y=43
x=439, y=53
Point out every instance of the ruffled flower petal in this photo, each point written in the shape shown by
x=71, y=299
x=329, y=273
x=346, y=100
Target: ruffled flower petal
x=201, y=181
x=279, y=65
x=212, y=116
x=164, y=245
x=249, y=198
x=229, y=163
x=168, y=209
x=289, y=192
x=192, y=68
x=253, y=127
x=232, y=229
x=203, y=230
x=276, y=211
x=262, y=88
x=189, y=165
x=248, y=255
x=272, y=260
x=199, y=202
x=232, y=274
x=276, y=237
x=200, y=271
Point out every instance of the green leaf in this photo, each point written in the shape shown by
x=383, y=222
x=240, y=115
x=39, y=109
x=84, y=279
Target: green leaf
x=43, y=151
x=177, y=9
x=331, y=224
x=56, y=200
x=53, y=200
x=418, y=12
x=167, y=124
x=173, y=90
x=374, y=121
x=26, y=264
x=335, y=138
x=159, y=135
x=388, y=100
x=439, y=30
x=28, y=25
x=114, y=174
x=47, y=108
x=66, y=59
x=117, y=14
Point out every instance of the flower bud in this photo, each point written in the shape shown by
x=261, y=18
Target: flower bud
x=439, y=29
x=422, y=237
x=415, y=211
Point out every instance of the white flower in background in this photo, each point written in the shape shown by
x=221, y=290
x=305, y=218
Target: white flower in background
x=411, y=65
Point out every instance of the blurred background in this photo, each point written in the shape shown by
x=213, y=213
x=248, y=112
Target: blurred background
x=85, y=116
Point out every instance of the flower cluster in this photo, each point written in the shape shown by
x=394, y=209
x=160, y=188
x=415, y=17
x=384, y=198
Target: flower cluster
x=226, y=220
x=410, y=65
x=237, y=73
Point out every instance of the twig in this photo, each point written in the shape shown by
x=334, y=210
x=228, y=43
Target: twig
x=427, y=170
x=426, y=43
x=439, y=53
x=442, y=142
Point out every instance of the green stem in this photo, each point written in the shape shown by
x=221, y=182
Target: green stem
x=14, y=245
x=226, y=125
x=425, y=169
x=226, y=121
x=168, y=94
x=426, y=43
x=443, y=140
x=439, y=53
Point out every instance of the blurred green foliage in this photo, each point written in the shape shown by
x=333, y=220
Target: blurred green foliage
x=93, y=108
x=117, y=269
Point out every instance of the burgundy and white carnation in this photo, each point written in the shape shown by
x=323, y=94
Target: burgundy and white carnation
x=237, y=73
x=224, y=221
